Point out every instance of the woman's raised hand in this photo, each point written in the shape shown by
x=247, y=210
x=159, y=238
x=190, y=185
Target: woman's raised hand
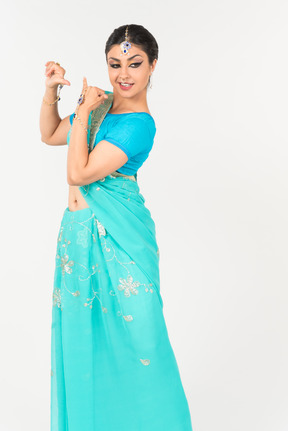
x=55, y=75
x=93, y=96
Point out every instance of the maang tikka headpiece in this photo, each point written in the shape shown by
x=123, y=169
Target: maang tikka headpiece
x=125, y=45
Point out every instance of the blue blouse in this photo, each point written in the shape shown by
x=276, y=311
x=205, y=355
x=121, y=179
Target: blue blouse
x=132, y=132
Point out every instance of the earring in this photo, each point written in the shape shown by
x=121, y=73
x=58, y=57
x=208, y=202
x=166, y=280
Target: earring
x=150, y=80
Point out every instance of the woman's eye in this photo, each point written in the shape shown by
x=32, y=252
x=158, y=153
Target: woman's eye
x=133, y=65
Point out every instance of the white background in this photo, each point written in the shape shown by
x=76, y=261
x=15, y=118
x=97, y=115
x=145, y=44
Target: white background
x=215, y=183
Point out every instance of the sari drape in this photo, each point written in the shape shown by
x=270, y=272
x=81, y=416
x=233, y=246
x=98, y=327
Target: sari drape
x=112, y=363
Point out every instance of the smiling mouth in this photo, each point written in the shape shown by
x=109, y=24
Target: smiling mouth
x=125, y=85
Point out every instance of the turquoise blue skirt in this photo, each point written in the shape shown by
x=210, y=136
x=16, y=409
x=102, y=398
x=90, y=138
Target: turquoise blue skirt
x=112, y=364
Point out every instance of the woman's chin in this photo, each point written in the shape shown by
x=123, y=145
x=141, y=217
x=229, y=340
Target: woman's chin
x=124, y=94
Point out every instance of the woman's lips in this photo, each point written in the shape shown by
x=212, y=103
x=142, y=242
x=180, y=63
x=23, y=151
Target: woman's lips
x=125, y=87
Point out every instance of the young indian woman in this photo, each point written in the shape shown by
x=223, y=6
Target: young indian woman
x=112, y=364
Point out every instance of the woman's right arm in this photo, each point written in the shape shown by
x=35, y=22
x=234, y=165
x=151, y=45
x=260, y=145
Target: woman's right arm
x=53, y=129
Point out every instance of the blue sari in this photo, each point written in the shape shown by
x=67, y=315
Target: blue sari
x=112, y=364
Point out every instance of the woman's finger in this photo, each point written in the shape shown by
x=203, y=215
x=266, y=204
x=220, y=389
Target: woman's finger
x=51, y=69
x=65, y=82
x=85, y=85
x=55, y=68
x=49, y=65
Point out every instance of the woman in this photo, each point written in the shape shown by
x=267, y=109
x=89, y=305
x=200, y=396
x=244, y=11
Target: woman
x=112, y=364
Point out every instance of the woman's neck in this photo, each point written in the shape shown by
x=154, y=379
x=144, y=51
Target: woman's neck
x=121, y=105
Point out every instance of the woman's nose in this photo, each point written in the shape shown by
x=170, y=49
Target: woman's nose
x=124, y=72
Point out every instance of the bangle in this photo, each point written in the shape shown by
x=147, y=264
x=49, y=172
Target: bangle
x=58, y=96
x=78, y=118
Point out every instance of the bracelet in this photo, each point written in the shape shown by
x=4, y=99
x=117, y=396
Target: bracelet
x=78, y=118
x=58, y=96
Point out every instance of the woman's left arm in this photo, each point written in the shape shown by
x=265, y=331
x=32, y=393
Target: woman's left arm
x=77, y=157
x=84, y=168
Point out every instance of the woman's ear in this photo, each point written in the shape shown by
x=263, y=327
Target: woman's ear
x=153, y=65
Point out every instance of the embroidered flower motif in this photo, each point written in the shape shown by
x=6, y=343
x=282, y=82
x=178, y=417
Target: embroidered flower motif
x=65, y=265
x=57, y=297
x=101, y=228
x=82, y=237
x=128, y=285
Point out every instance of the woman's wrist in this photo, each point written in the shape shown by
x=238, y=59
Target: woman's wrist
x=50, y=94
x=82, y=116
x=83, y=111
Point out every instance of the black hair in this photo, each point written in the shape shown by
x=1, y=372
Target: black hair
x=138, y=35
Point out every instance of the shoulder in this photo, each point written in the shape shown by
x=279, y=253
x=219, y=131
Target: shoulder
x=138, y=122
x=132, y=132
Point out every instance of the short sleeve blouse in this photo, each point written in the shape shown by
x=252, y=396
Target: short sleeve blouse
x=132, y=132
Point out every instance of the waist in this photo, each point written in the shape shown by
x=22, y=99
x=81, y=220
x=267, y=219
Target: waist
x=118, y=174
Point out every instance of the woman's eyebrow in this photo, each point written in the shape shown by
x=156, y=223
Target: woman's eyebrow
x=117, y=59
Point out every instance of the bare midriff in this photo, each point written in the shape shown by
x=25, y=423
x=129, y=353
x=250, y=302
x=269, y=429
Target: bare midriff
x=75, y=199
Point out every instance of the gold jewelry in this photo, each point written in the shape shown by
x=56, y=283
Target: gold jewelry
x=58, y=96
x=78, y=118
x=58, y=64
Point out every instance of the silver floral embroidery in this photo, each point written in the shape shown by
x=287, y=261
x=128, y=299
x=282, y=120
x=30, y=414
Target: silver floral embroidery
x=145, y=361
x=82, y=238
x=65, y=265
x=57, y=297
x=101, y=228
x=90, y=301
x=128, y=285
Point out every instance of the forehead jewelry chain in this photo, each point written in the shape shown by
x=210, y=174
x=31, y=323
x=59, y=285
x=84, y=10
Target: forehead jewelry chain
x=125, y=45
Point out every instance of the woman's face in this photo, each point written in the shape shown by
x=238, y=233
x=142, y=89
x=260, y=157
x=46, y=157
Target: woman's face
x=133, y=70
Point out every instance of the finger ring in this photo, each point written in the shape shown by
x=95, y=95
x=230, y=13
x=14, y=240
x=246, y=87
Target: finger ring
x=58, y=64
